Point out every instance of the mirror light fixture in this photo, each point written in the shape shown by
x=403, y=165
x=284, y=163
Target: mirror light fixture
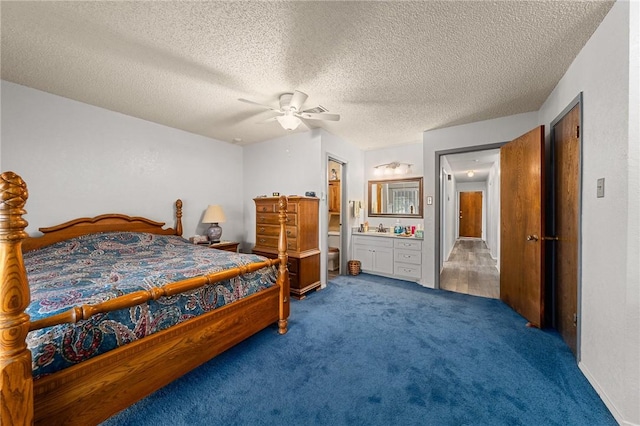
x=214, y=215
x=470, y=173
x=394, y=168
x=288, y=121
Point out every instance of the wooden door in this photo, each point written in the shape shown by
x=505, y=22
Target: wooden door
x=470, y=214
x=521, y=223
x=566, y=152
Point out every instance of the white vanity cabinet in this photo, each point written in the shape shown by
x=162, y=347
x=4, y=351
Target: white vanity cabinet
x=375, y=254
x=388, y=255
x=407, y=258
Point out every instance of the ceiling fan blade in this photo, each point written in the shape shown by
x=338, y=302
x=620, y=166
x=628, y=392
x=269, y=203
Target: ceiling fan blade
x=268, y=120
x=297, y=100
x=255, y=103
x=320, y=116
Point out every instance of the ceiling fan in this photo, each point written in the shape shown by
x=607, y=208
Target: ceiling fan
x=291, y=113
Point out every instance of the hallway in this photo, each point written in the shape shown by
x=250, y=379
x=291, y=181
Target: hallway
x=471, y=270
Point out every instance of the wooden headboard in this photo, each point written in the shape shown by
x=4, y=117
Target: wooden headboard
x=102, y=223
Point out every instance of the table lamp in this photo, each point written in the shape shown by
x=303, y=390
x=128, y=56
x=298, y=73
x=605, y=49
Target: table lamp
x=214, y=215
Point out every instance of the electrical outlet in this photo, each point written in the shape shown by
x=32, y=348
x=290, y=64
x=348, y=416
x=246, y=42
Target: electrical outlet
x=429, y=200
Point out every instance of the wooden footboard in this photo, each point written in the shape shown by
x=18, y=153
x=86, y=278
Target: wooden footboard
x=92, y=391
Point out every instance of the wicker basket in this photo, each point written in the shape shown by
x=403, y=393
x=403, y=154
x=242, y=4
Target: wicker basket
x=354, y=267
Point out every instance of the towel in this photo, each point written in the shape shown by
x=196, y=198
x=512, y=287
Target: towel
x=357, y=206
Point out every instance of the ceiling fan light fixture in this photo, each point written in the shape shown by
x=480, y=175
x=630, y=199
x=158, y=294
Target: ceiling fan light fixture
x=288, y=121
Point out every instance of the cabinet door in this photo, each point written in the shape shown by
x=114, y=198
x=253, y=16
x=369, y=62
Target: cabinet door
x=334, y=196
x=365, y=256
x=383, y=260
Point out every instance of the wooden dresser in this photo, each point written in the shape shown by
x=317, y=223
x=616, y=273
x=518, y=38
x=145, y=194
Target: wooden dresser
x=302, y=239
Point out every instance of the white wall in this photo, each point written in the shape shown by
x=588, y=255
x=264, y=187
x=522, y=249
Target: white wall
x=609, y=310
x=290, y=165
x=481, y=133
x=80, y=160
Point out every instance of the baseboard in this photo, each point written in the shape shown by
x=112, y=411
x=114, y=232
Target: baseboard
x=603, y=395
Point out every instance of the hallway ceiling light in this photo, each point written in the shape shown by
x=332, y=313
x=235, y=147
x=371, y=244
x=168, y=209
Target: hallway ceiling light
x=394, y=168
x=470, y=173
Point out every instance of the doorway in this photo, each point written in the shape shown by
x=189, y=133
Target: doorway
x=467, y=212
x=557, y=237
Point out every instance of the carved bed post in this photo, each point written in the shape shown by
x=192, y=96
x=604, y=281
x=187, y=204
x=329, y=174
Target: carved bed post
x=179, y=217
x=16, y=382
x=284, y=272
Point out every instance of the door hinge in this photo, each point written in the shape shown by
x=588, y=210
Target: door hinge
x=575, y=319
x=577, y=131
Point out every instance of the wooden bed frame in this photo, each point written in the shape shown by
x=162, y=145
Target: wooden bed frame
x=92, y=391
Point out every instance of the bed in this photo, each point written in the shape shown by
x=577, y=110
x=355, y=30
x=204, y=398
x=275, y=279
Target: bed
x=90, y=389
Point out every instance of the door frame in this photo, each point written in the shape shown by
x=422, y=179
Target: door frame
x=551, y=205
x=344, y=215
x=438, y=201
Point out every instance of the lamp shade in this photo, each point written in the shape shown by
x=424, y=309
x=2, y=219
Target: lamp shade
x=214, y=214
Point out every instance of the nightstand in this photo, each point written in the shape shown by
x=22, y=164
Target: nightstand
x=225, y=245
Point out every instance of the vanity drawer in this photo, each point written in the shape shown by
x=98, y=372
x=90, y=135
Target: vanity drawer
x=408, y=256
x=407, y=244
x=373, y=241
x=407, y=270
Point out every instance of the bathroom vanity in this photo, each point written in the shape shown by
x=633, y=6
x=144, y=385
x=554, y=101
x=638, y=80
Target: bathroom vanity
x=384, y=253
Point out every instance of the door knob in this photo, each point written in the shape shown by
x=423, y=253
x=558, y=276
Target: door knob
x=532, y=237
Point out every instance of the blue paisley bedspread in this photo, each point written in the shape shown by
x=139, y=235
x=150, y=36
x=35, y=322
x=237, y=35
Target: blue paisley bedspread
x=98, y=267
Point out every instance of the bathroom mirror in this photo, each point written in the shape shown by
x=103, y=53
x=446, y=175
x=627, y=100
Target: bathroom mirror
x=396, y=197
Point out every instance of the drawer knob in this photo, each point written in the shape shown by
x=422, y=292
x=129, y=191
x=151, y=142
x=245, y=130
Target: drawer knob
x=288, y=232
x=262, y=240
x=262, y=229
x=264, y=209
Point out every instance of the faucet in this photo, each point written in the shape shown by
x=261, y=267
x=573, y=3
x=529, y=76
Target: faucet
x=380, y=228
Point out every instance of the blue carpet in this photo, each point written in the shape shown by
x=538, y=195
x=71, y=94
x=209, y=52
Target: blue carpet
x=369, y=350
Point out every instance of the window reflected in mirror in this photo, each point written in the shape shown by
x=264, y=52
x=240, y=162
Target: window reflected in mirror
x=396, y=197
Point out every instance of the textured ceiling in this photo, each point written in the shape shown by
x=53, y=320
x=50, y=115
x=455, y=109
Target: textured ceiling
x=390, y=69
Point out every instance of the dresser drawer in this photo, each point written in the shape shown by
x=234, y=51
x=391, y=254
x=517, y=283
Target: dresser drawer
x=293, y=265
x=274, y=231
x=274, y=219
x=265, y=241
x=407, y=244
x=270, y=207
x=407, y=270
x=408, y=256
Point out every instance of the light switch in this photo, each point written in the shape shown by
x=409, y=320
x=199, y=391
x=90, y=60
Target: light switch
x=600, y=188
x=429, y=200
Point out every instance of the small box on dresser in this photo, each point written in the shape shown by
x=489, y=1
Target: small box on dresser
x=302, y=239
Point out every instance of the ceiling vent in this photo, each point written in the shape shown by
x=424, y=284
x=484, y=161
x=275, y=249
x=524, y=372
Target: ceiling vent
x=317, y=110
